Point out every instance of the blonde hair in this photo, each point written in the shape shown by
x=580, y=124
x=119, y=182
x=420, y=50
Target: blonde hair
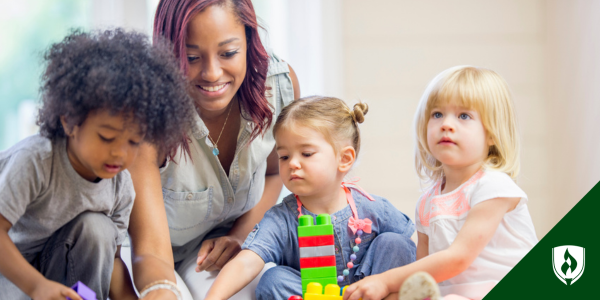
x=328, y=115
x=473, y=88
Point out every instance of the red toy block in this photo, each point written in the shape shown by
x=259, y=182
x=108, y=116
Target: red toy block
x=317, y=262
x=312, y=241
x=295, y=298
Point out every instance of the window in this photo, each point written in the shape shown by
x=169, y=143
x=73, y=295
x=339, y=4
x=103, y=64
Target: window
x=27, y=28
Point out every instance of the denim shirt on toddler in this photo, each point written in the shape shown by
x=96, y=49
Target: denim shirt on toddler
x=275, y=238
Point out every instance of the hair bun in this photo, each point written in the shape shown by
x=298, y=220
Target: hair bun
x=359, y=112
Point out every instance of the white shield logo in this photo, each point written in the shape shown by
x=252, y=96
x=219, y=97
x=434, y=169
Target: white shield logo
x=568, y=263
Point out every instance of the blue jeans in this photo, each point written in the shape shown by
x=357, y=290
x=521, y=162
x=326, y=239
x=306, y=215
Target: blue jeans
x=387, y=251
x=82, y=250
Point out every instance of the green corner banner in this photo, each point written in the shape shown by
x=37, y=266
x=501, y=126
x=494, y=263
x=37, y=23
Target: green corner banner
x=565, y=263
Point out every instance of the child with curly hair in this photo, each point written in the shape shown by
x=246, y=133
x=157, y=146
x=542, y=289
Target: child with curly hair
x=473, y=224
x=317, y=141
x=65, y=194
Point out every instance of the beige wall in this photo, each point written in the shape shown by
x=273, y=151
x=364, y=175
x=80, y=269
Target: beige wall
x=393, y=48
x=573, y=97
x=385, y=52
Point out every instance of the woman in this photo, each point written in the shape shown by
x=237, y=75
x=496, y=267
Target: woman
x=219, y=186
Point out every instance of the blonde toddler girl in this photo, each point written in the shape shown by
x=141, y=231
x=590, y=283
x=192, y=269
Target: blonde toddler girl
x=473, y=223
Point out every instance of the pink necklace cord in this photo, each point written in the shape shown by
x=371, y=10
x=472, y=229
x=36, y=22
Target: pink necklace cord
x=354, y=223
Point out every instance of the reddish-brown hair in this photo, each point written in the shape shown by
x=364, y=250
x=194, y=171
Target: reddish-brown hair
x=171, y=22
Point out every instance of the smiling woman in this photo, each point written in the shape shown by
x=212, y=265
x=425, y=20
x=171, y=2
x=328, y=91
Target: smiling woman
x=225, y=177
x=216, y=70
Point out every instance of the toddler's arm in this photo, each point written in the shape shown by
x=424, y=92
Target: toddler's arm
x=16, y=269
x=121, y=287
x=481, y=224
x=422, y=245
x=235, y=275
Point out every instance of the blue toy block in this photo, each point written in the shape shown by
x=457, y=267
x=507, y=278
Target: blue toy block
x=85, y=292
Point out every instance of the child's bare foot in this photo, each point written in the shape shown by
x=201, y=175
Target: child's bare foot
x=419, y=286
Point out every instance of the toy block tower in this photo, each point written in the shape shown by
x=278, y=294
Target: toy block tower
x=317, y=253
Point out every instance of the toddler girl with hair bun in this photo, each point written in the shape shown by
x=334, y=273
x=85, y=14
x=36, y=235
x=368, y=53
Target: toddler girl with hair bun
x=317, y=141
x=472, y=221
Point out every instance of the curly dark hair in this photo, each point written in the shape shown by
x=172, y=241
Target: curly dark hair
x=120, y=71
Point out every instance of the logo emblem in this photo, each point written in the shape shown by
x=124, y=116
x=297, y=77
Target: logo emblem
x=568, y=263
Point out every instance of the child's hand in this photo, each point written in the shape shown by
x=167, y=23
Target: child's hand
x=369, y=288
x=51, y=290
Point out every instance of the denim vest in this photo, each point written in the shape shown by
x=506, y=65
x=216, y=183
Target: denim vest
x=275, y=238
x=201, y=201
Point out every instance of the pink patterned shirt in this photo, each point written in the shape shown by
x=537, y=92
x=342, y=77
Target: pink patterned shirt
x=441, y=216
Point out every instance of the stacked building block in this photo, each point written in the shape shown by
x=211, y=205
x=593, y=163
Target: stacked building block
x=317, y=252
x=85, y=292
x=314, y=291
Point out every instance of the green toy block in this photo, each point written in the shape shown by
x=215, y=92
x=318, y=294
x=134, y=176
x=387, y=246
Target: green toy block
x=322, y=281
x=323, y=219
x=312, y=273
x=306, y=220
x=315, y=230
x=306, y=227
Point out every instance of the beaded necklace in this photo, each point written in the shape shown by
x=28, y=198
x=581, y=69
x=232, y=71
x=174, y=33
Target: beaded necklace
x=356, y=225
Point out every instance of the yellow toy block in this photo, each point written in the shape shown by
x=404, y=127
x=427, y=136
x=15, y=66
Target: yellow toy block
x=314, y=291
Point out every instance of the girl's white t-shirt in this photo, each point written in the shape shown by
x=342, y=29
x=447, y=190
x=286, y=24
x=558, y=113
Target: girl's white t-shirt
x=441, y=217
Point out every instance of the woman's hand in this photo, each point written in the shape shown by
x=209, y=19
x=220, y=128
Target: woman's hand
x=51, y=290
x=370, y=288
x=215, y=253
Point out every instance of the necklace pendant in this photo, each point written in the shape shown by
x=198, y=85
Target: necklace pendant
x=216, y=151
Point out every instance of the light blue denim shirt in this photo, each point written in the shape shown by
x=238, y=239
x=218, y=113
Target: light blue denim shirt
x=201, y=201
x=275, y=238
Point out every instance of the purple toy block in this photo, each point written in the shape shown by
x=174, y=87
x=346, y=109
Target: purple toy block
x=85, y=292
